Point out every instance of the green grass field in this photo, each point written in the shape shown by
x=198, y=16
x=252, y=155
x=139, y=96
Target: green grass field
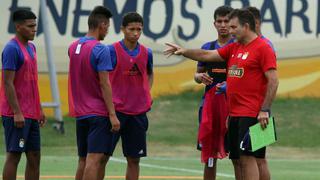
x=172, y=137
x=63, y=167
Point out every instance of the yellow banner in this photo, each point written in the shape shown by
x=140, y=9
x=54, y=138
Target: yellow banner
x=298, y=78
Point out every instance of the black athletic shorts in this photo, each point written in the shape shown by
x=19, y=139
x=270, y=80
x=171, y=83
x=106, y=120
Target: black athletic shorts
x=238, y=134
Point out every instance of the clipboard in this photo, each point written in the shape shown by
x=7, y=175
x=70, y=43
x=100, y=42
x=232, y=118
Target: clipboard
x=262, y=137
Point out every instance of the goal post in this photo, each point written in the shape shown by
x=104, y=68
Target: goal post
x=56, y=104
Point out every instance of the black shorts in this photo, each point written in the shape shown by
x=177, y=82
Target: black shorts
x=133, y=133
x=94, y=136
x=24, y=139
x=238, y=134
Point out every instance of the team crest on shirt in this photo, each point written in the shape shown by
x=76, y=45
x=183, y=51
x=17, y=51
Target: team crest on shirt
x=245, y=55
x=235, y=71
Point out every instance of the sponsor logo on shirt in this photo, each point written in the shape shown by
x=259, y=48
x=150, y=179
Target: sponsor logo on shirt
x=134, y=71
x=234, y=71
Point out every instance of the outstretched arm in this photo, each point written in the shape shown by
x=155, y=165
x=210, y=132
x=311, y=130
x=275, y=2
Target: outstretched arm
x=194, y=54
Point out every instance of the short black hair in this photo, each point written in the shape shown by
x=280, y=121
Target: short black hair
x=97, y=15
x=22, y=14
x=131, y=17
x=222, y=11
x=244, y=16
x=255, y=11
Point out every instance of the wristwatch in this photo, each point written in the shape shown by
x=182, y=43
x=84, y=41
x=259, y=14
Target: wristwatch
x=265, y=110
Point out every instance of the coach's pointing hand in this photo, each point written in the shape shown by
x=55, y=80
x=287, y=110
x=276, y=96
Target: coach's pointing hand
x=173, y=49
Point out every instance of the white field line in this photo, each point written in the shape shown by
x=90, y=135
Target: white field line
x=171, y=168
x=181, y=158
x=225, y=160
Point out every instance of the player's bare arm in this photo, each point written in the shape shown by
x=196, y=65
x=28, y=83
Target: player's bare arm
x=107, y=96
x=194, y=54
x=202, y=77
x=12, y=97
x=150, y=76
x=150, y=79
x=272, y=86
x=43, y=119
